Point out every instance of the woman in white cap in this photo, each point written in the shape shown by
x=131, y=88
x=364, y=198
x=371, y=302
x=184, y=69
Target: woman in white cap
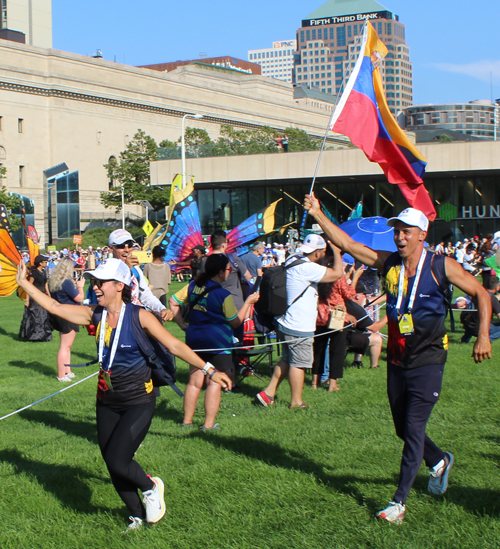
x=125, y=394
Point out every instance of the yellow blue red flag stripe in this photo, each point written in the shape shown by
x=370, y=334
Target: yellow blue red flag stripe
x=364, y=116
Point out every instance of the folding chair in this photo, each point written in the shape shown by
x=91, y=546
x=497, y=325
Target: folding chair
x=249, y=357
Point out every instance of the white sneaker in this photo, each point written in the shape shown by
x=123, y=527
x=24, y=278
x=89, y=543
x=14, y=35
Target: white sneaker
x=65, y=379
x=135, y=524
x=71, y=375
x=394, y=513
x=154, y=501
x=438, y=480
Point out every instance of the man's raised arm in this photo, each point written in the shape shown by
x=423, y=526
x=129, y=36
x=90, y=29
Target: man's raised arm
x=362, y=253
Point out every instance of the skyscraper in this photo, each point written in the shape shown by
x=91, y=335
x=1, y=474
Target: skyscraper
x=276, y=62
x=328, y=44
x=31, y=18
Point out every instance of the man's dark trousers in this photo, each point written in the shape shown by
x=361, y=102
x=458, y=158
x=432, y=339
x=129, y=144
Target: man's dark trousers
x=412, y=395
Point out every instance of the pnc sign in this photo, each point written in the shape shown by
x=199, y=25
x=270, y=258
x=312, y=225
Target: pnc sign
x=285, y=44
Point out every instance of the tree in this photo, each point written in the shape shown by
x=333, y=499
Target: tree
x=11, y=202
x=132, y=172
x=239, y=142
x=446, y=138
x=168, y=150
x=198, y=143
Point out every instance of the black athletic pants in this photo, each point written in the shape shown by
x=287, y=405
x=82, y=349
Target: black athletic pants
x=336, y=352
x=412, y=396
x=120, y=431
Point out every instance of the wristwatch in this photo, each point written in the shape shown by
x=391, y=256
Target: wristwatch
x=207, y=367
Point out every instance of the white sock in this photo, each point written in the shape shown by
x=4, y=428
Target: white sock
x=441, y=464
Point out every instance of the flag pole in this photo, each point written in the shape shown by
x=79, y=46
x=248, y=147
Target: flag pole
x=339, y=95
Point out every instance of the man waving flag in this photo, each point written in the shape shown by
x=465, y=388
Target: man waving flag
x=364, y=116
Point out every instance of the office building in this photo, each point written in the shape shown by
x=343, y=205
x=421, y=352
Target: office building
x=27, y=21
x=476, y=118
x=328, y=44
x=276, y=62
x=63, y=116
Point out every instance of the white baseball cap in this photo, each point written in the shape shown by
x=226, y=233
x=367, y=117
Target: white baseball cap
x=412, y=217
x=312, y=243
x=111, y=269
x=120, y=236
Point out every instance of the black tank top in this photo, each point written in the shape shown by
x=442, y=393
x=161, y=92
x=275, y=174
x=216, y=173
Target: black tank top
x=428, y=344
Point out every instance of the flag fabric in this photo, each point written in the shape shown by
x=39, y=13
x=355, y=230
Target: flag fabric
x=363, y=115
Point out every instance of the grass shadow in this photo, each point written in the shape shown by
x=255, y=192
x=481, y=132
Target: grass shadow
x=276, y=456
x=166, y=412
x=481, y=502
x=58, y=420
x=10, y=334
x=37, y=367
x=84, y=356
x=65, y=482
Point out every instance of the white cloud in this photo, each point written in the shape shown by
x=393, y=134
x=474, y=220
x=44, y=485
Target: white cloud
x=480, y=69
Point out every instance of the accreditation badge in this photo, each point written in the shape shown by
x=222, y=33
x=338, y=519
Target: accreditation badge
x=406, y=324
x=106, y=376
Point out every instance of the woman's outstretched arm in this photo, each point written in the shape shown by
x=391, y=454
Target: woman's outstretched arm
x=76, y=314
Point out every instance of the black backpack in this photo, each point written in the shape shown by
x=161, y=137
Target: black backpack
x=273, y=299
x=159, y=359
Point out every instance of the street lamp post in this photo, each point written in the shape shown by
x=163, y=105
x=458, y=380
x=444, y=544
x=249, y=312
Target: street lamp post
x=123, y=209
x=183, y=145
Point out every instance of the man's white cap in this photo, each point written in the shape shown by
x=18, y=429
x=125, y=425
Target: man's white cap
x=312, y=243
x=111, y=269
x=119, y=237
x=412, y=217
x=496, y=236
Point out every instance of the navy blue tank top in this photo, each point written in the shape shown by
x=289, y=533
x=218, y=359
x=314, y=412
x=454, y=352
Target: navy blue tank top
x=130, y=373
x=428, y=344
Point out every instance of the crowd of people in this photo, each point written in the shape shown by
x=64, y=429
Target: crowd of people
x=327, y=313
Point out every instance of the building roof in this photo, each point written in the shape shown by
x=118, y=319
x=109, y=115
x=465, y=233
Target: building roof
x=336, y=8
x=430, y=136
x=301, y=92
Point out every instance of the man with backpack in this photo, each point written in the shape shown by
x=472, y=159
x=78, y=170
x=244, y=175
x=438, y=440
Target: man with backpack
x=297, y=324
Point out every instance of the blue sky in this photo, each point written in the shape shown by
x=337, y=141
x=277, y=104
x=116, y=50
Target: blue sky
x=455, y=45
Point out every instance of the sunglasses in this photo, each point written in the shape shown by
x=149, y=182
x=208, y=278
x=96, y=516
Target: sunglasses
x=128, y=244
x=229, y=269
x=98, y=282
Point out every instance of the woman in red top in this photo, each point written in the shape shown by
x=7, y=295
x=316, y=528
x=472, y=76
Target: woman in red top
x=331, y=295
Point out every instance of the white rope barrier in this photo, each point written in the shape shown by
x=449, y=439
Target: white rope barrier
x=50, y=396
x=245, y=347
x=196, y=351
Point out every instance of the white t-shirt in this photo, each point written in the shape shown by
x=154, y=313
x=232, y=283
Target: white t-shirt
x=301, y=316
x=460, y=255
x=280, y=254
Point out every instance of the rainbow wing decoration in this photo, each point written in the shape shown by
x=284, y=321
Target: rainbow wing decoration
x=4, y=218
x=183, y=230
x=9, y=260
x=257, y=225
x=364, y=116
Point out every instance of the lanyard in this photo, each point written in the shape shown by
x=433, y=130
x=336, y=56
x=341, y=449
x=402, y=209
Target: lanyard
x=102, y=334
x=415, y=284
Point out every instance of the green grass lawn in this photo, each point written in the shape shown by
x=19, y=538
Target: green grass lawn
x=273, y=477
